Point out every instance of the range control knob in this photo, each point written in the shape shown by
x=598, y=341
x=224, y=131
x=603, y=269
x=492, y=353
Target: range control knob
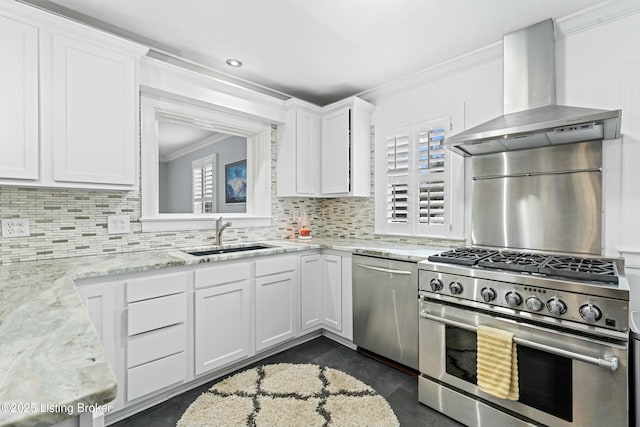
x=590, y=313
x=556, y=306
x=488, y=294
x=513, y=299
x=455, y=288
x=534, y=303
x=436, y=285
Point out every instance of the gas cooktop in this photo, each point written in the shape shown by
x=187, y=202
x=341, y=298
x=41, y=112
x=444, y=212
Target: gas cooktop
x=566, y=266
x=562, y=287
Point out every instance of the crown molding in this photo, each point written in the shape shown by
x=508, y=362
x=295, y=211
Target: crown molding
x=595, y=16
x=586, y=19
x=489, y=53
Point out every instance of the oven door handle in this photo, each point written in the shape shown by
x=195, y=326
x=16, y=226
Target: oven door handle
x=385, y=270
x=611, y=363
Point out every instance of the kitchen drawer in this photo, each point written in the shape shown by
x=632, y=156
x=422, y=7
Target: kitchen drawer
x=144, y=348
x=222, y=274
x=145, y=379
x=276, y=265
x=156, y=313
x=156, y=286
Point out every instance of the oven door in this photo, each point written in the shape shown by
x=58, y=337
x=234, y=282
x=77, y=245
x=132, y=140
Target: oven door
x=565, y=379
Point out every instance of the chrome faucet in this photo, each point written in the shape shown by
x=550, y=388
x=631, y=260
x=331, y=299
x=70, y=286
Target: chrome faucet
x=219, y=229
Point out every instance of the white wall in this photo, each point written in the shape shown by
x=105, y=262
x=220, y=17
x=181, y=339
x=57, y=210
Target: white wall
x=469, y=96
x=600, y=68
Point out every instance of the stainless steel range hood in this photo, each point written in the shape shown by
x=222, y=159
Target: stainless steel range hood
x=531, y=117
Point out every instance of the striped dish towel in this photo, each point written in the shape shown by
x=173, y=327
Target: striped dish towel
x=497, y=363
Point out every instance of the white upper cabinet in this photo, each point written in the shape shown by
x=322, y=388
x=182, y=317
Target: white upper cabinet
x=336, y=155
x=90, y=110
x=298, y=166
x=19, y=99
x=69, y=103
x=307, y=152
x=325, y=152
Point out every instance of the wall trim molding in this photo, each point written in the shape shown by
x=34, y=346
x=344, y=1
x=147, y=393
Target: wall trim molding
x=172, y=81
x=177, y=222
x=631, y=257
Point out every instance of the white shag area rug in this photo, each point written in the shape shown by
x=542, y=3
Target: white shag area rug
x=290, y=395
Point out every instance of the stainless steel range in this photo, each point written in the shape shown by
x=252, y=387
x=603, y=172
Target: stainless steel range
x=534, y=276
x=569, y=317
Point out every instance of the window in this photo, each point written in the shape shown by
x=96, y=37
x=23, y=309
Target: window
x=414, y=197
x=398, y=176
x=431, y=176
x=204, y=185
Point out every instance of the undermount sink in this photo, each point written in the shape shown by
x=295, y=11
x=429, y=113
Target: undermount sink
x=227, y=250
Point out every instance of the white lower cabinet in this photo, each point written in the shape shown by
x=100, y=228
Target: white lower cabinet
x=156, y=333
x=166, y=329
x=325, y=293
x=222, y=317
x=332, y=291
x=275, y=301
x=310, y=291
x=145, y=379
x=105, y=308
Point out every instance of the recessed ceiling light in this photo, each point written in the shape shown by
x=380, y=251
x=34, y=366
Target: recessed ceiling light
x=234, y=63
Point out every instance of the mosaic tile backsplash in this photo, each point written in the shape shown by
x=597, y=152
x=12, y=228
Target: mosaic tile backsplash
x=68, y=223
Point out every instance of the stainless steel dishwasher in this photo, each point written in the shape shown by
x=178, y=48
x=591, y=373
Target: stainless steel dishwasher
x=385, y=308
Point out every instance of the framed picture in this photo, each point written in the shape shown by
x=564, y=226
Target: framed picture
x=235, y=178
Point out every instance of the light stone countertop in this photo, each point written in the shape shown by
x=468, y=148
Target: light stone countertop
x=50, y=354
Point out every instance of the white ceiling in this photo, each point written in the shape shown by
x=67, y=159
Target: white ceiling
x=321, y=50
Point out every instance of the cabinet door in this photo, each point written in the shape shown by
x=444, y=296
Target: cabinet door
x=222, y=325
x=310, y=291
x=336, y=152
x=18, y=100
x=105, y=314
x=307, y=153
x=92, y=111
x=274, y=309
x=332, y=265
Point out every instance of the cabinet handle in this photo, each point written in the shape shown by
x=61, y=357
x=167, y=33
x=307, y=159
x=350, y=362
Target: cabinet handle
x=385, y=270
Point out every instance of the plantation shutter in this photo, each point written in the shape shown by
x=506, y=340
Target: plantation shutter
x=204, y=185
x=397, y=144
x=431, y=176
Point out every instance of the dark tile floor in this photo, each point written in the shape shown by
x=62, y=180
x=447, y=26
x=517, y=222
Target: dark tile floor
x=400, y=389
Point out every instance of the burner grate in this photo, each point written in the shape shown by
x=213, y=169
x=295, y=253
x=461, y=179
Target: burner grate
x=462, y=256
x=570, y=267
x=514, y=261
x=601, y=270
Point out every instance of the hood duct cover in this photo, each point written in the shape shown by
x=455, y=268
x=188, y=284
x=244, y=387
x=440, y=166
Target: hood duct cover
x=532, y=119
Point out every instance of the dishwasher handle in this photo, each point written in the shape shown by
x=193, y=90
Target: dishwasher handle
x=385, y=270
